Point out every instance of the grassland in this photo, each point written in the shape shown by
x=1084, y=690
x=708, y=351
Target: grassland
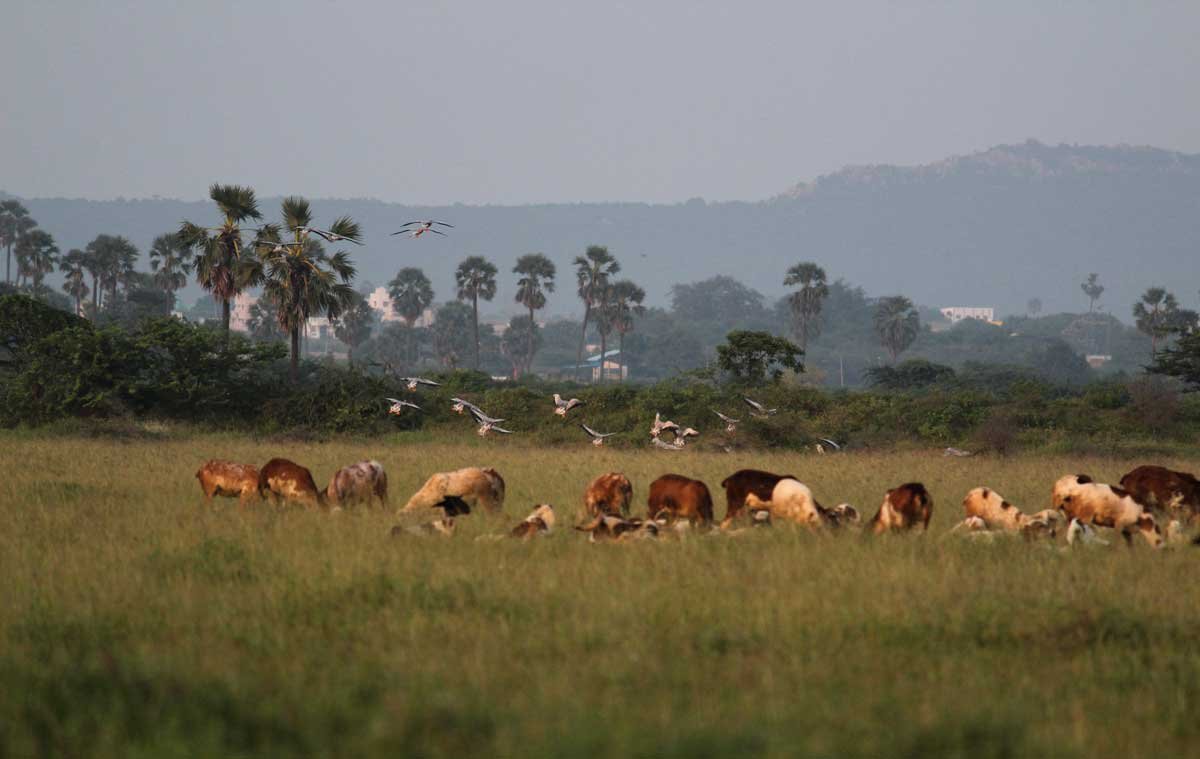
x=136, y=622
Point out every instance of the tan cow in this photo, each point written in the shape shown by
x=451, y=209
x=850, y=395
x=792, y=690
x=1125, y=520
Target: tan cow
x=228, y=479
x=1079, y=497
x=358, y=483
x=997, y=513
x=903, y=508
x=608, y=494
x=790, y=501
x=475, y=486
x=284, y=480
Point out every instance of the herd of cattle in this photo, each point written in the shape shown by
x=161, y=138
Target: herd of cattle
x=1147, y=497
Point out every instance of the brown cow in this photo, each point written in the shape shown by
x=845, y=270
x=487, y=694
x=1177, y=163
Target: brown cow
x=743, y=482
x=364, y=481
x=1176, y=493
x=681, y=497
x=1078, y=497
x=286, y=480
x=539, y=522
x=608, y=494
x=904, y=508
x=228, y=479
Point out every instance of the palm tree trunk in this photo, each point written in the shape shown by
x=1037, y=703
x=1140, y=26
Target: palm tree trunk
x=95, y=293
x=475, y=316
x=587, y=312
x=225, y=320
x=294, y=368
x=529, y=347
x=8, y=265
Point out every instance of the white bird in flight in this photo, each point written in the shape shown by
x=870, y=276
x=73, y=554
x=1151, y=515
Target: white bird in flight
x=597, y=437
x=487, y=423
x=561, y=407
x=660, y=426
x=325, y=234
x=461, y=406
x=421, y=227
x=411, y=382
x=398, y=406
x=730, y=423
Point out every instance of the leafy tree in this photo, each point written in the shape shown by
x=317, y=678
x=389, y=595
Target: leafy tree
x=520, y=341
x=354, y=326
x=896, y=324
x=411, y=293
x=1181, y=360
x=476, y=278
x=15, y=222
x=625, y=302
x=1055, y=361
x=593, y=270
x=806, y=302
x=537, y=278
x=171, y=261
x=264, y=322
x=74, y=285
x=297, y=274
x=1034, y=307
x=1092, y=289
x=37, y=256
x=719, y=303
x=908, y=375
x=451, y=333
x=139, y=300
x=1156, y=315
x=748, y=356
x=220, y=249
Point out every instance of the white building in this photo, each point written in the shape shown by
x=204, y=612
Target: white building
x=381, y=303
x=957, y=313
x=239, y=312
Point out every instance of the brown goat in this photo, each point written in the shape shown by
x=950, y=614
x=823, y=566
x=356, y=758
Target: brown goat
x=284, y=480
x=904, y=508
x=228, y=479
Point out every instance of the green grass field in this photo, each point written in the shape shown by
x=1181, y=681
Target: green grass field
x=135, y=622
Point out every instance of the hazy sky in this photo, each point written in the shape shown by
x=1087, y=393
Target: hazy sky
x=530, y=101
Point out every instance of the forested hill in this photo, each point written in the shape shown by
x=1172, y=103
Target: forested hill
x=995, y=228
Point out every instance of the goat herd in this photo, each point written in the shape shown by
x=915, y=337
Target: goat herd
x=1146, y=497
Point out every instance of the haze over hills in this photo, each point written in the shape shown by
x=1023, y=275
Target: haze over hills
x=993, y=228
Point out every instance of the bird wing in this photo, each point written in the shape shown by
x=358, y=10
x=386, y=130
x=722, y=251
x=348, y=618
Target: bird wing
x=573, y=403
x=444, y=224
x=830, y=442
x=501, y=429
x=395, y=400
x=589, y=430
x=410, y=223
x=558, y=401
x=443, y=234
x=753, y=404
x=401, y=232
x=427, y=382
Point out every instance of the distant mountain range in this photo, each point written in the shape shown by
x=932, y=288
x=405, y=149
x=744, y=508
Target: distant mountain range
x=993, y=228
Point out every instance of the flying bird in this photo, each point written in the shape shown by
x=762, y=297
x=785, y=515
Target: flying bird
x=411, y=382
x=561, y=407
x=675, y=445
x=687, y=433
x=325, y=234
x=760, y=411
x=660, y=426
x=398, y=406
x=597, y=437
x=461, y=406
x=487, y=423
x=824, y=442
x=730, y=423
x=421, y=227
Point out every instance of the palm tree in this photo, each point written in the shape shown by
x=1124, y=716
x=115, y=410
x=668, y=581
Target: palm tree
x=109, y=259
x=221, y=253
x=806, y=302
x=297, y=275
x=537, y=278
x=15, y=222
x=476, y=278
x=897, y=324
x=1092, y=289
x=625, y=302
x=72, y=264
x=592, y=271
x=411, y=293
x=37, y=255
x=1155, y=315
x=170, y=260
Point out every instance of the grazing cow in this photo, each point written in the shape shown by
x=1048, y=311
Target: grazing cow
x=743, y=482
x=904, y=508
x=228, y=479
x=284, y=480
x=539, y=522
x=1165, y=489
x=607, y=527
x=790, y=500
x=608, y=494
x=364, y=481
x=475, y=486
x=1078, y=497
x=681, y=498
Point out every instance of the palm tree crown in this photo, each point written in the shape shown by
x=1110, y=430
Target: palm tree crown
x=806, y=302
x=170, y=260
x=411, y=293
x=537, y=278
x=72, y=264
x=897, y=324
x=36, y=256
x=476, y=278
x=592, y=272
x=220, y=250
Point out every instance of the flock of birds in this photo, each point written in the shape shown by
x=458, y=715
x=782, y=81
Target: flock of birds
x=562, y=406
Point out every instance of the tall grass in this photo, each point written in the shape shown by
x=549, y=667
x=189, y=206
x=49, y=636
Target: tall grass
x=136, y=622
